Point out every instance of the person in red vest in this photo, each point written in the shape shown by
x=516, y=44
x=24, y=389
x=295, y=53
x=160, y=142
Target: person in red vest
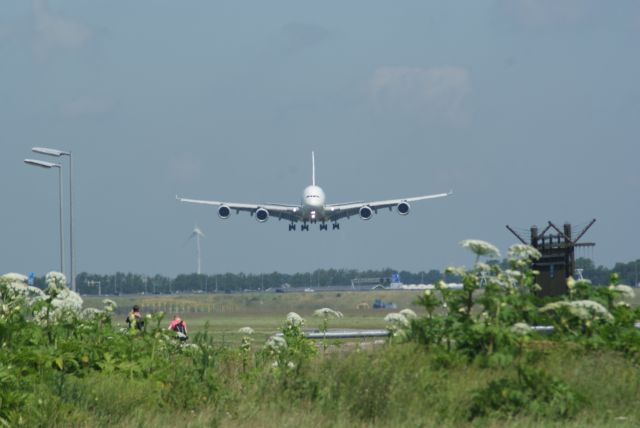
x=180, y=327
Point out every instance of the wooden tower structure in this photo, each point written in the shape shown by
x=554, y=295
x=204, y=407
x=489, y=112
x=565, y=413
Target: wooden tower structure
x=558, y=260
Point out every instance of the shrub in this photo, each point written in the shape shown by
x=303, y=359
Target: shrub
x=532, y=392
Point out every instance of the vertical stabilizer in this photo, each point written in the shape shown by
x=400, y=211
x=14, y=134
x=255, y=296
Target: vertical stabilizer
x=313, y=169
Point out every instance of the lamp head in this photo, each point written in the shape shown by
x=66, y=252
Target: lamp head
x=41, y=164
x=50, y=152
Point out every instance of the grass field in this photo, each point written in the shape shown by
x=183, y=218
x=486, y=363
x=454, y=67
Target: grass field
x=91, y=372
x=264, y=312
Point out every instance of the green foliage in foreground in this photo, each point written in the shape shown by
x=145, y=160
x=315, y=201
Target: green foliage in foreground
x=470, y=359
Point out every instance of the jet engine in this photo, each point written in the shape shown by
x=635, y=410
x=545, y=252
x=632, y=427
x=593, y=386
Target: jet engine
x=366, y=212
x=262, y=215
x=403, y=208
x=224, y=211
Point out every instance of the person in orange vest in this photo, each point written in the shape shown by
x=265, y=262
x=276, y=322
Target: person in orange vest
x=135, y=320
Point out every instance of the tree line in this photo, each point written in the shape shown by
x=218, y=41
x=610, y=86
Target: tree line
x=127, y=283
x=130, y=283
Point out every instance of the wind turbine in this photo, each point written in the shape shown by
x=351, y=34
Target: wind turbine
x=197, y=233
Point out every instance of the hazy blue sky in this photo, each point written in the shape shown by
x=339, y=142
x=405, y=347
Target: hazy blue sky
x=529, y=110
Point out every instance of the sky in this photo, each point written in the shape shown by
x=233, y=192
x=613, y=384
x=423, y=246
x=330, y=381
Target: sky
x=528, y=109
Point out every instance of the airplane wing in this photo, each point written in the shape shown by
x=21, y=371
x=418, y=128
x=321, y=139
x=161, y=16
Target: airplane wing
x=338, y=211
x=281, y=211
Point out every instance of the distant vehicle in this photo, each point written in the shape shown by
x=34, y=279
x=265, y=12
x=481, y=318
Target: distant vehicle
x=313, y=209
x=279, y=290
x=380, y=304
x=309, y=290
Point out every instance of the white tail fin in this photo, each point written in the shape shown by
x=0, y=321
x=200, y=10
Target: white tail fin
x=313, y=169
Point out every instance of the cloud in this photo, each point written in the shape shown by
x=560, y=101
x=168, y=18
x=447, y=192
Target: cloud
x=88, y=106
x=436, y=94
x=53, y=32
x=299, y=36
x=536, y=12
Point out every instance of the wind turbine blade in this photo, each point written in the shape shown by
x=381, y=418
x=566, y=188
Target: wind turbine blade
x=193, y=235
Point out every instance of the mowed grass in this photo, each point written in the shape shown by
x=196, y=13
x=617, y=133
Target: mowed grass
x=224, y=314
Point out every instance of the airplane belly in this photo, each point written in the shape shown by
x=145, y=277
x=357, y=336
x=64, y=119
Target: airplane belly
x=313, y=214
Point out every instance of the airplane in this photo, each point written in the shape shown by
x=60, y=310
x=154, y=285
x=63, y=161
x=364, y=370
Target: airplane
x=313, y=208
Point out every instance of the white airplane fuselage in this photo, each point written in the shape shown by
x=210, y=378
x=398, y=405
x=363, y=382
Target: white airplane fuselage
x=313, y=200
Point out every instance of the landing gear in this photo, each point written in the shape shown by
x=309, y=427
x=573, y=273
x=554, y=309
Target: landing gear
x=323, y=226
x=304, y=227
x=292, y=226
x=335, y=226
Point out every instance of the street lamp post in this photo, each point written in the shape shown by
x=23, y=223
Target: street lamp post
x=58, y=153
x=92, y=283
x=49, y=165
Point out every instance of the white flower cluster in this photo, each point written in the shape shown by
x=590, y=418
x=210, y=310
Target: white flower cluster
x=327, y=313
x=586, y=310
x=275, y=344
x=64, y=302
x=56, y=282
x=246, y=330
x=573, y=284
x=193, y=347
x=624, y=291
x=521, y=329
x=522, y=251
x=17, y=288
x=396, y=320
x=109, y=305
x=513, y=274
x=290, y=365
x=481, y=248
x=294, y=320
x=397, y=324
x=90, y=313
x=483, y=267
x=451, y=270
x=594, y=309
x=67, y=302
x=12, y=277
x=509, y=279
x=409, y=314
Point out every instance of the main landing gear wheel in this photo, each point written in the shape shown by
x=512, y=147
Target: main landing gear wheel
x=292, y=226
x=323, y=226
x=335, y=226
x=304, y=227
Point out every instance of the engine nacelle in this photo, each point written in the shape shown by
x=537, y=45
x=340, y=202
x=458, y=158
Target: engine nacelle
x=366, y=212
x=262, y=215
x=403, y=208
x=224, y=211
